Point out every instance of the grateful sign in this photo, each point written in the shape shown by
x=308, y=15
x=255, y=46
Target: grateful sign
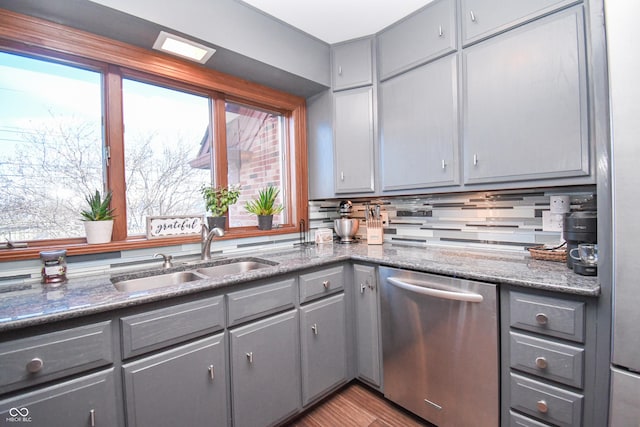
x=180, y=225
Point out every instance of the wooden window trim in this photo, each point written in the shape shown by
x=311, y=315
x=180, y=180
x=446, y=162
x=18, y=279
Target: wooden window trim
x=24, y=34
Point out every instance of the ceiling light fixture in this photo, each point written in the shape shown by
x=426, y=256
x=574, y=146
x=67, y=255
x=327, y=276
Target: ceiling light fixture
x=182, y=47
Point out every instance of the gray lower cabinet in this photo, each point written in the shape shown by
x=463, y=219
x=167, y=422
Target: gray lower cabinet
x=353, y=141
x=86, y=401
x=265, y=371
x=525, y=102
x=483, y=18
x=419, y=38
x=182, y=386
x=323, y=344
x=549, y=363
x=367, y=325
x=419, y=127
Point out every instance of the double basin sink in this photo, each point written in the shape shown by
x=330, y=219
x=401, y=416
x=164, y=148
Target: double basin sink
x=206, y=271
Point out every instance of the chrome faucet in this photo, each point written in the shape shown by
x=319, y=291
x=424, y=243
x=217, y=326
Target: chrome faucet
x=207, y=238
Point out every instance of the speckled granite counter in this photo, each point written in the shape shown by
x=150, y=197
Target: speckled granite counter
x=89, y=295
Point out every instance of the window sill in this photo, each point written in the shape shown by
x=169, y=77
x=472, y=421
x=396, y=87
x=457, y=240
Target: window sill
x=80, y=247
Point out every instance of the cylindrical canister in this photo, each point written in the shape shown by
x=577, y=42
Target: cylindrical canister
x=54, y=269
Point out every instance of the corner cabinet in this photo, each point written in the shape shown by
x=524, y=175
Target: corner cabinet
x=353, y=141
x=419, y=127
x=525, y=103
x=367, y=320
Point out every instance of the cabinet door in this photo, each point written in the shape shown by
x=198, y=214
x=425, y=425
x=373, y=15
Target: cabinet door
x=419, y=127
x=86, y=401
x=525, y=103
x=353, y=124
x=324, y=351
x=482, y=18
x=421, y=37
x=351, y=64
x=183, y=386
x=367, y=324
x=265, y=370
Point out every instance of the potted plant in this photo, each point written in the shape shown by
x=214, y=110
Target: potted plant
x=217, y=201
x=98, y=219
x=264, y=206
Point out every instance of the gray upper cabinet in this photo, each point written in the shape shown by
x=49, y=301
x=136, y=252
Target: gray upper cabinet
x=353, y=140
x=324, y=347
x=419, y=127
x=525, y=103
x=182, y=386
x=367, y=324
x=352, y=64
x=483, y=18
x=423, y=36
x=265, y=368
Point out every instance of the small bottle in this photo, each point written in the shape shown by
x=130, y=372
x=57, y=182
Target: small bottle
x=54, y=269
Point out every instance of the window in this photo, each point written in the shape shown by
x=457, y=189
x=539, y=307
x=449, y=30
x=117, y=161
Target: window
x=50, y=146
x=150, y=128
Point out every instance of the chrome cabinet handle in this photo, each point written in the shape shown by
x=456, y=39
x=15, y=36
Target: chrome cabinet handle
x=341, y=176
x=542, y=406
x=35, y=365
x=314, y=328
x=250, y=357
x=542, y=319
x=326, y=284
x=475, y=160
x=444, y=164
x=541, y=362
x=339, y=70
x=92, y=418
x=472, y=15
x=440, y=33
x=362, y=288
x=212, y=373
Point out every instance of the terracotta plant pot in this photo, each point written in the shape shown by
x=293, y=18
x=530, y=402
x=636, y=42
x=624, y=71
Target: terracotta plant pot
x=98, y=231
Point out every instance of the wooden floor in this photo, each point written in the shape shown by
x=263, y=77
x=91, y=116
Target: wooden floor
x=356, y=406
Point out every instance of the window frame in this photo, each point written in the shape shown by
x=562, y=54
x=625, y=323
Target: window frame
x=34, y=37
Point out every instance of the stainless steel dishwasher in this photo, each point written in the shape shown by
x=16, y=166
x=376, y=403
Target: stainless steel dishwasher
x=440, y=347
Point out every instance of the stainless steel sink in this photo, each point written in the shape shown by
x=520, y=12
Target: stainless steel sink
x=157, y=281
x=223, y=268
x=232, y=268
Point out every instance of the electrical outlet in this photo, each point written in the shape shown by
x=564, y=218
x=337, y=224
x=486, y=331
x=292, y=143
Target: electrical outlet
x=551, y=222
x=384, y=218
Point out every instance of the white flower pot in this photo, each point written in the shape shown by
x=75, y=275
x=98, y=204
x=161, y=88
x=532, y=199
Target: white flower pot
x=98, y=231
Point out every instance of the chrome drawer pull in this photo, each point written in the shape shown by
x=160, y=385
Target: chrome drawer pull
x=542, y=319
x=212, y=372
x=35, y=365
x=92, y=418
x=542, y=406
x=326, y=284
x=440, y=33
x=314, y=328
x=362, y=288
x=250, y=357
x=541, y=362
x=472, y=16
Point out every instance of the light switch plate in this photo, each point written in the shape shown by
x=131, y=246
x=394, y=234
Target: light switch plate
x=384, y=217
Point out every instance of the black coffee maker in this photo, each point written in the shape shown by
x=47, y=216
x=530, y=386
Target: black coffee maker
x=580, y=227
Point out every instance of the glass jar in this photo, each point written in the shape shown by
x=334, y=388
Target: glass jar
x=54, y=269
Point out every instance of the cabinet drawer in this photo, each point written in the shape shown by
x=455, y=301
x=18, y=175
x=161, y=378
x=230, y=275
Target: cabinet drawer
x=548, y=403
x=517, y=420
x=40, y=358
x=558, y=362
x=320, y=283
x=261, y=301
x=423, y=36
x=549, y=316
x=160, y=328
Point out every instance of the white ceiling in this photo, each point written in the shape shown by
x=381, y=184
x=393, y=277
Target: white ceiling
x=334, y=21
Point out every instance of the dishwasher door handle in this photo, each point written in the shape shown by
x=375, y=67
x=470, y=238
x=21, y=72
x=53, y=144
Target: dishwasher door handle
x=424, y=289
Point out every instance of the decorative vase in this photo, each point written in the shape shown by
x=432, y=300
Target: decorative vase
x=98, y=231
x=216, y=221
x=265, y=222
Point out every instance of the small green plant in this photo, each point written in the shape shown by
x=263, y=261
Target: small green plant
x=99, y=209
x=218, y=199
x=265, y=203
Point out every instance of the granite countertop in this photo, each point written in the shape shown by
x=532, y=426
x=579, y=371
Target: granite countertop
x=89, y=295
